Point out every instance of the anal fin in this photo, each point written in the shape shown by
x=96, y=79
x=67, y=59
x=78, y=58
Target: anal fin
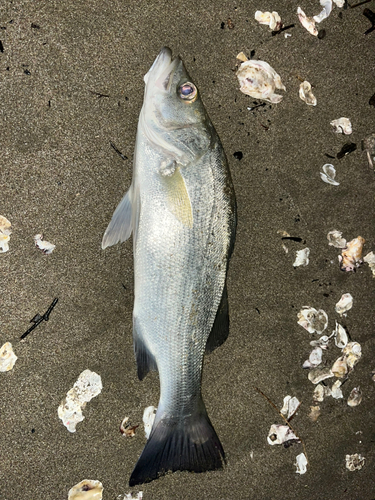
x=220, y=329
x=145, y=360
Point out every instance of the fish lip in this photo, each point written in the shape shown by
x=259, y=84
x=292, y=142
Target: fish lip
x=161, y=73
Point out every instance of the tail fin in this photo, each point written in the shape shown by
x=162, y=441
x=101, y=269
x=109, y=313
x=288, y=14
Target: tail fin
x=188, y=444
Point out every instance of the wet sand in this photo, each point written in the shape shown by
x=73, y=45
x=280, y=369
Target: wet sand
x=72, y=82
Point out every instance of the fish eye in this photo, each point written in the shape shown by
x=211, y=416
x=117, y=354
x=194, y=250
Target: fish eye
x=188, y=91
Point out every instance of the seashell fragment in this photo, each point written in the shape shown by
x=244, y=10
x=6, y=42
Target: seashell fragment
x=335, y=239
x=340, y=367
x=87, y=386
x=351, y=256
x=290, y=406
x=370, y=260
x=301, y=463
x=328, y=175
x=313, y=320
x=344, y=304
x=320, y=392
x=355, y=397
x=302, y=257
x=339, y=3
x=315, y=358
x=259, y=80
x=314, y=413
x=354, y=462
x=280, y=434
x=272, y=19
x=307, y=22
x=322, y=342
x=341, y=337
x=352, y=353
x=368, y=145
x=7, y=357
x=306, y=94
x=327, y=7
x=342, y=126
x=148, y=419
x=5, y=233
x=126, y=429
x=129, y=496
x=241, y=57
x=336, y=392
x=45, y=246
x=88, y=489
x=316, y=375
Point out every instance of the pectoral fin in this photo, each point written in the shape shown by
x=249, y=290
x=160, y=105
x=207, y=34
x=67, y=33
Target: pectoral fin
x=121, y=226
x=178, y=200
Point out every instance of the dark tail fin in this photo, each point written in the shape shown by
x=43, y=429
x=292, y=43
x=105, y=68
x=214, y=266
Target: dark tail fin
x=188, y=444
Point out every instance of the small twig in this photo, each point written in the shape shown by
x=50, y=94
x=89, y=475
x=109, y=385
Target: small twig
x=359, y=4
x=284, y=418
x=99, y=94
x=284, y=28
x=118, y=151
x=37, y=319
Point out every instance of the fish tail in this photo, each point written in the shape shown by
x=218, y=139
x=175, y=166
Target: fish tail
x=189, y=443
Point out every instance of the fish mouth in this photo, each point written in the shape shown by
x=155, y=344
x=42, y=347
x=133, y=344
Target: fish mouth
x=160, y=75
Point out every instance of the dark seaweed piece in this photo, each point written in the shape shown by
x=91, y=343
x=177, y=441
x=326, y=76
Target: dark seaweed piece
x=283, y=28
x=99, y=94
x=347, y=148
x=293, y=238
x=27, y=72
x=371, y=17
x=238, y=155
x=252, y=54
x=261, y=105
x=372, y=100
x=358, y=4
x=329, y=156
x=322, y=33
x=37, y=319
x=222, y=25
x=118, y=151
x=1, y=46
x=35, y=26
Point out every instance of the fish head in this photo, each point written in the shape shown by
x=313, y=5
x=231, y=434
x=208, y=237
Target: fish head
x=173, y=117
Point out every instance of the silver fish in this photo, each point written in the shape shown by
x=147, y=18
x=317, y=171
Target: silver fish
x=181, y=209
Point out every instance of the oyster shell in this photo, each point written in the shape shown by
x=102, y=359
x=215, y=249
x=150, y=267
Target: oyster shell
x=355, y=397
x=344, y=304
x=328, y=175
x=7, y=357
x=306, y=94
x=314, y=413
x=368, y=145
x=340, y=367
x=280, y=434
x=302, y=257
x=307, y=22
x=353, y=353
x=45, y=246
x=316, y=375
x=259, y=80
x=320, y=392
x=301, y=463
x=370, y=260
x=313, y=320
x=327, y=7
x=336, y=392
x=315, y=358
x=351, y=255
x=342, y=126
x=272, y=19
x=354, y=462
x=335, y=239
x=88, y=489
x=339, y=3
x=341, y=337
x=5, y=233
x=290, y=406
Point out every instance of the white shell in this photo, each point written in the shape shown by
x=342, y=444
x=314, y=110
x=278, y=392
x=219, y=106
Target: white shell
x=313, y=320
x=7, y=357
x=272, y=19
x=335, y=239
x=355, y=397
x=344, y=304
x=341, y=337
x=370, y=260
x=88, y=489
x=5, y=233
x=340, y=367
x=307, y=22
x=329, y=174
x=336, y=392
x=342, y=126
x=368, y=145
x=280, y=434
x=354, y=462
x=327, y=7
x=351, y=255
x=339, y=3
x=320, y=392
x=306, y=94
x=88, y=385
x=352, y=353
x=148, y=419
x=301, y=463
x=315, y=358
x=129, y=496
x=321, y=342
x=290, y=406
x=45, y=246
x=302, y=257
x=259, y=80
x=316, y=375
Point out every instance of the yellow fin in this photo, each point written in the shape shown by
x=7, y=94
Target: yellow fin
x=178, y=200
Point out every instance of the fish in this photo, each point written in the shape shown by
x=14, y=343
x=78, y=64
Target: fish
x=181, y=211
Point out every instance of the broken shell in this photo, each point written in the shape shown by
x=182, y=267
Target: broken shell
x=315, y=358
x=370, y=260
x=355, y=397
x=5, y=233
x=87, y=386
x=320, y=392
x=329, y=174
x=301, y=462
x=344, y=304
x=336, y=392
x=290, y=406
x=340, y=367
x=314, y=413
x=341, y=337
x=259, y=80
x=354, y=462
x=351, y=255
x=322, y=342
x=316, y=375
x=148, y=419
x=307, y=22
x=87, y=489
x=126, y=429
x=7, y=357
x=129, y=496
x=313, y=320
x=339, y=3
x=45, y=246
x=280, y=434
x=302, y=257
x=241, y=57
x=306, y=94
x=272, y=19
x=327, y=7
x=352, y=353
x=342, y=126
x=368, y=145
x=335, y=239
